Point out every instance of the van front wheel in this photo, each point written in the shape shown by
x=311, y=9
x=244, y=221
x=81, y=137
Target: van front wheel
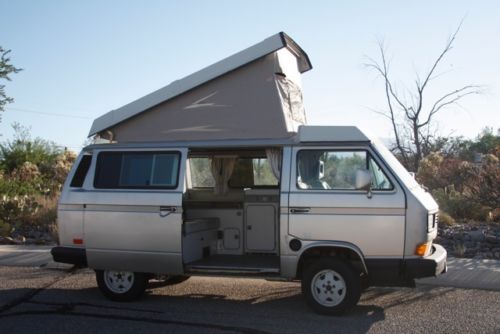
x=121, y=285
x=331, y=286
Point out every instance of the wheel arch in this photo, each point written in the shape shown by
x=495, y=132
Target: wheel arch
x=337, y=249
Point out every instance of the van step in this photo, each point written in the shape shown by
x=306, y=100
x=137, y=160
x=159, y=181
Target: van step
x=229, y=271
x=236, y=264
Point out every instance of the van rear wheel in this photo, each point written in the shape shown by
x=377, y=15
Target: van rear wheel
x=331, y=286
x=121, y=285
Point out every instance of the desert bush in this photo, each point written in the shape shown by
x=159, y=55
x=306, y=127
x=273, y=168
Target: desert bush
x=47, y=212
x=459, y=206
x=465, y=189
x=446, y=219
x=14, y=153
x=484, y=183
x=32, y=172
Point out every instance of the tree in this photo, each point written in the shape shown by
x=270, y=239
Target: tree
x=6, y=68
x=410, y=117
x=486, y=142
x=466, y=149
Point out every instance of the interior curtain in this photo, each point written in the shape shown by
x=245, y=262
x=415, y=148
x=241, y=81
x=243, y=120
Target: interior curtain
x=274, y=158
x=222, y=168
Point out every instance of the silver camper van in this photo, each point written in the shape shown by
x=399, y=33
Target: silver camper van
x=198, y=179
x=330, y=207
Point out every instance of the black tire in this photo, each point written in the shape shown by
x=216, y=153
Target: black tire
x=121, y=286
x=331, y=286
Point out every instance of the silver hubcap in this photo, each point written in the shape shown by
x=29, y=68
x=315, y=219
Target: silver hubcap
x=328, y=288
x=119, y=281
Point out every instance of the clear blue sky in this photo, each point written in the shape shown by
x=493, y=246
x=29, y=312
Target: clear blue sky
x=84, y=58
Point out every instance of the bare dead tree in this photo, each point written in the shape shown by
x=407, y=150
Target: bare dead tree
x=410, y=117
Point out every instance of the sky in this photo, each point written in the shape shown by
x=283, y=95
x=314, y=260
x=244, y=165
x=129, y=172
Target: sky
x=81, y=59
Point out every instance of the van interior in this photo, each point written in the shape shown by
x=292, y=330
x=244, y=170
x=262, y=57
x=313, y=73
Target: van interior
x=231, y=211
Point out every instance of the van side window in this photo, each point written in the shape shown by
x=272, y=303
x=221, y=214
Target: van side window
x=201, y=174
x=141, y=170
x=380, y=181
x=320, y=170
x=81, y=172
x=247, y=173
x=252, y=172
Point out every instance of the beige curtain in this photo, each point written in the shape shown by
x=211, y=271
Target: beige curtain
x=274, y=158
x=222, y=168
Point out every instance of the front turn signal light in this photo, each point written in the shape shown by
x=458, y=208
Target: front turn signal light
x=421, y=249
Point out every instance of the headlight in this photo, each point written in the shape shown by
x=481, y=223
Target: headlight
x=432, y=221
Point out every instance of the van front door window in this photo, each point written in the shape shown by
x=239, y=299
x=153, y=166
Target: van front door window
x=336, y=170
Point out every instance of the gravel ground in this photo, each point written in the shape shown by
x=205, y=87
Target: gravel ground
x=56, y=301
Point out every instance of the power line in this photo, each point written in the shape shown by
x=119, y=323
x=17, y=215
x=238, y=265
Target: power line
x=47, y=113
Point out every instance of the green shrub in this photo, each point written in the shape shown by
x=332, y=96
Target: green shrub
x=5, y=229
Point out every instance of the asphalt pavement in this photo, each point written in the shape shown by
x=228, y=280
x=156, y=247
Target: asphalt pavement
x=462, y=273
x=468, y=273
x=35, y=300
x=39, y=296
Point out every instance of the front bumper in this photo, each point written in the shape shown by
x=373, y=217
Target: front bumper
x=403, y=272
x=431, y=265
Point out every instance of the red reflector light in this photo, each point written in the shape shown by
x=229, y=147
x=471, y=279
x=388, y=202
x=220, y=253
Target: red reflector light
x=78, y=241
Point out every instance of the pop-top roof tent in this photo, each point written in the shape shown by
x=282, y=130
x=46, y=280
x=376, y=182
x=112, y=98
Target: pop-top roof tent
x=256, y=93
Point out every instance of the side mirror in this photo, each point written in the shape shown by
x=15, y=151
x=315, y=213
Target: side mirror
x=363, y=180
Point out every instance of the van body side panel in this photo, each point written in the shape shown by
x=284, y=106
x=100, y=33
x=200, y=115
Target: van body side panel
x=375, y=224
x=70, y=227
x=70, y=211
x=378, y=232
x=421, y=208
x=134, y=229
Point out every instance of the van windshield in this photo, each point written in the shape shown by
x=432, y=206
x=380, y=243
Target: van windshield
x=395, y=165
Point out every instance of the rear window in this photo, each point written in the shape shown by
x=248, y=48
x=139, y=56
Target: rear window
x=81, y=172
x=142, y=170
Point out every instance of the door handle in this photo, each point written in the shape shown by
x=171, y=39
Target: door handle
x=300, y=210
x=166, y=210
